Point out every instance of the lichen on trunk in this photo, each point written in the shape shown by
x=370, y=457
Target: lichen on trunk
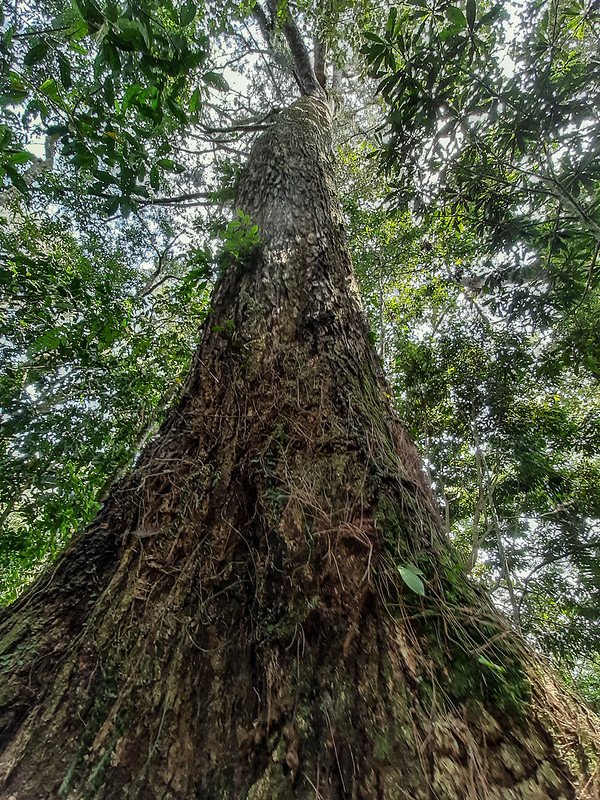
x=235, y=623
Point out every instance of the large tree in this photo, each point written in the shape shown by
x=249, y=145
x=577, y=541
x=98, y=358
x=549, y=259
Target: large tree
x=267, y=606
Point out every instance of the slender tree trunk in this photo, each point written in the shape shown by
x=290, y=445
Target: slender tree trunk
x=239, y=621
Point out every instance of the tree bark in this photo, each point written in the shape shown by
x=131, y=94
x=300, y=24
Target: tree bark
x=239, y=622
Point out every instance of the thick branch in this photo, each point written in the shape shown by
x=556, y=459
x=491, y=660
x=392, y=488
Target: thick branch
x=308, y=83
x=305, y=74
x=320, y=60
x=265, y=25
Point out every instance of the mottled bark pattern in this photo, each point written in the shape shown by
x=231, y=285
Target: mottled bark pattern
x=233, y=625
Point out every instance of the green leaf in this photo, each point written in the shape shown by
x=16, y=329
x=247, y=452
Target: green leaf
x=130, y=32
x=177, y=111
x=410, y=576
x=64, y=69
x=20, y=157
x=12, y=97
x=49, y=340
x=456, y=17
x=494, y=13
x=109, y=91
x=471, y=13
x=194, y=101
x=90, y=12
x=50, y=89
x=130, y=95
x=16, y=179
x=112, y=206
x=216, y=80
x=490, y=664
x=187, y=14
x=36, y=53
x=391, y=22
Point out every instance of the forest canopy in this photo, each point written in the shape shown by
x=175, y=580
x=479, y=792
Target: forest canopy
x=466, y=144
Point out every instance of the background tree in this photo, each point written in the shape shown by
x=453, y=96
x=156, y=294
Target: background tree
x=492, y=132
x=94, y=346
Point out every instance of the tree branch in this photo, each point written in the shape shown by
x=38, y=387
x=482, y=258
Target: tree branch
x=320, y=60
x=304, y=72
x=199, y=198
x=265, y=25
x=255, y=124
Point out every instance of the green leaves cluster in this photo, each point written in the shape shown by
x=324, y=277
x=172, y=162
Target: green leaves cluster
x=110, y=83
x=94, y=345
x=510, y=433
x=492, y=126
x=240, y=236
x=12, y=156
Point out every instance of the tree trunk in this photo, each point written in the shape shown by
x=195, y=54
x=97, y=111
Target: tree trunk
x=239, y=622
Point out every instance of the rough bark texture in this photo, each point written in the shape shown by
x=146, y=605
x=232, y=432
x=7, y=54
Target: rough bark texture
x=234, y=624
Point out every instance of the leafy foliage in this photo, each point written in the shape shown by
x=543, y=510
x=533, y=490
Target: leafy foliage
x=110, y=84
x=510, y=445
x=491, y=125
x=93, y=349
x=240, y=236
